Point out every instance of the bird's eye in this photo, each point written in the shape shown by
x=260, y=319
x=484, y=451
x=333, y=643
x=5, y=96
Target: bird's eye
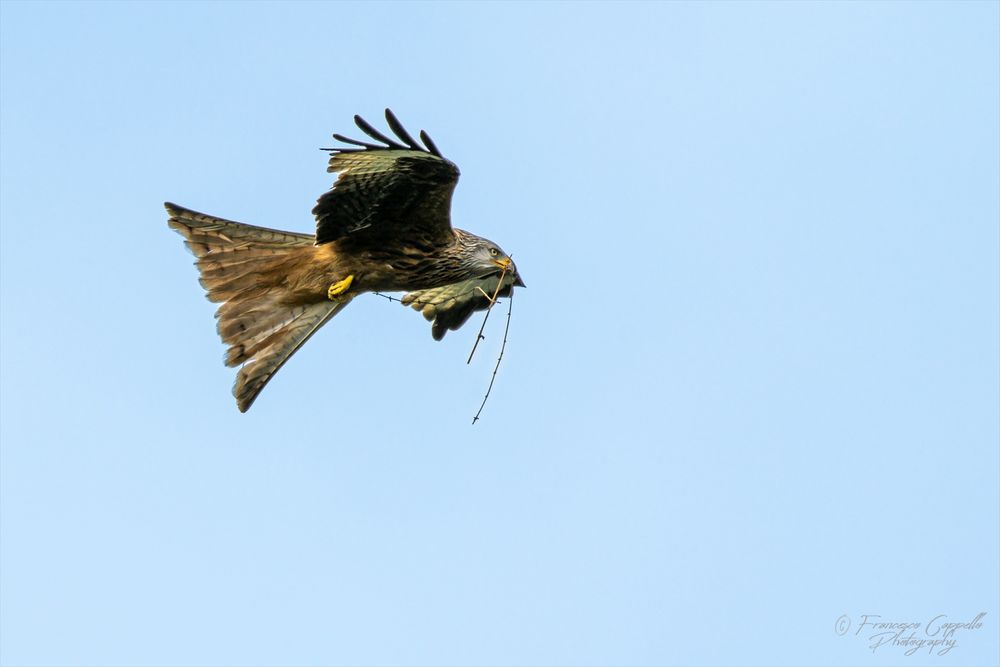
x=494, y=252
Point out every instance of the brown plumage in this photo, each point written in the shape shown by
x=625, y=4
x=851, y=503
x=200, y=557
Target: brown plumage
x=384, y=226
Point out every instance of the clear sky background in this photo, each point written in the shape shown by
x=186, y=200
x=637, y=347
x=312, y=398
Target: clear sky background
x=752, y=385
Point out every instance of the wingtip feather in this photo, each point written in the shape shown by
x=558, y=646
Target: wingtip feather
x=400, y=131
x=385, y=142
x=431, y=146
x=370, y=130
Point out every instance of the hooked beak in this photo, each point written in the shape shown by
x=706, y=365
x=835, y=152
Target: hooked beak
x=508, y=265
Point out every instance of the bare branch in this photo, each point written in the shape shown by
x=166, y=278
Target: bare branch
x=503, y=346
x=493, y=301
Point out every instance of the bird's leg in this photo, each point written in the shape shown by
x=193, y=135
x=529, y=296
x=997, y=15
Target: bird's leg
x=339, y=287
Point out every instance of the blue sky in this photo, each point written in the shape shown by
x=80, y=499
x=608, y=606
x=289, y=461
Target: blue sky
x=752, y=385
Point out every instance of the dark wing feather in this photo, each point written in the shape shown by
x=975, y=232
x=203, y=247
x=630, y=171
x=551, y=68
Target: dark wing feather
x=398, y=129
x=426, y=138
x=450, y=306
x=347, y=140
x=387, y=195
x=370, y=130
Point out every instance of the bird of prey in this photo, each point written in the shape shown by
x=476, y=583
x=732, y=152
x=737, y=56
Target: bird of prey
x=384, y=226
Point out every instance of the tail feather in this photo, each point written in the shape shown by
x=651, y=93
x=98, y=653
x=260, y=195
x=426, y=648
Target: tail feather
x=271, y=353
x=259, y=329
x=245, y=269
x=232, y=265
x=206, y=233
x=249, y=324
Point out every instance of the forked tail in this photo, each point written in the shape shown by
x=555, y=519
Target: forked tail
x=245, y=269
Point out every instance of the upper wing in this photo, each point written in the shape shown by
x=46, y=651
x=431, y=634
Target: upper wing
x=391, y=194
x=450, y=306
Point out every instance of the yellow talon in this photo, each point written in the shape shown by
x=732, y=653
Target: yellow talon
x=339, y=288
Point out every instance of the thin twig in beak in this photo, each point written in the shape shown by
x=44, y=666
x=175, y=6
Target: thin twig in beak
x=493, y=301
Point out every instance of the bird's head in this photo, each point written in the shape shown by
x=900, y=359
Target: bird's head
x=484, y=258
x=476, y=271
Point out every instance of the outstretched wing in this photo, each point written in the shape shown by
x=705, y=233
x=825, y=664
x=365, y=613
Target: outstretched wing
x=451, y=305
x=388, y=194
